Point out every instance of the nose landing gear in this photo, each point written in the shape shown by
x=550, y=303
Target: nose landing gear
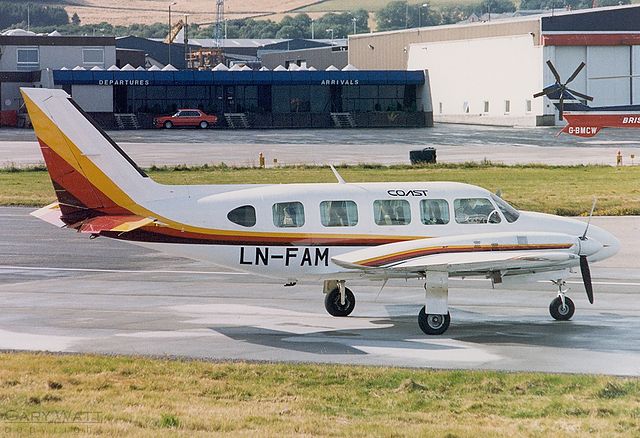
x=562, y=307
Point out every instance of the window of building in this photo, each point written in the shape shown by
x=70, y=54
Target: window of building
x=244, y=216
x=440, y=107
x=28, y=58
x=507, y=106
x=288, y=214
x=486, y=106
x=93, y=56
x=475, y=211
x=434, y=211
x=528, y=105
x=338, y=213
x=465, y=107
x=392, y=212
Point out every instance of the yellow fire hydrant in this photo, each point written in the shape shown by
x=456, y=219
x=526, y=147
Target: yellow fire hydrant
x=261, y=160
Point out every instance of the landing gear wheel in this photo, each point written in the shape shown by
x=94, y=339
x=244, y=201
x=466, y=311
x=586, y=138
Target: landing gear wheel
x=560, y=312
x=204, y=124
x=168, y=125
x=432, y=323
x=335, y=307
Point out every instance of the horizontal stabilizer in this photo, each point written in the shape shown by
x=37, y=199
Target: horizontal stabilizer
x=51, y=214
x=119, y=224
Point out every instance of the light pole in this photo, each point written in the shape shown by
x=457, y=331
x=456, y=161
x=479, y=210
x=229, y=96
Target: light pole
x=331, y=30
x=424, y=5
x=170, y=39
x=186, y=40
x=355, y=20
x=28, y=16
x=312, y=33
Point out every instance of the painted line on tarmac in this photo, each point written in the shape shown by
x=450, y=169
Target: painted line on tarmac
x=603, y=283
x=125, y=271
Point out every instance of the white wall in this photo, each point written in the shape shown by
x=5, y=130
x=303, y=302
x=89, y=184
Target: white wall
x=470, y=72
x=93, y=98
x=55, y=57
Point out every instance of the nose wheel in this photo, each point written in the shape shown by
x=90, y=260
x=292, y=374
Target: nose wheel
x=562, y=307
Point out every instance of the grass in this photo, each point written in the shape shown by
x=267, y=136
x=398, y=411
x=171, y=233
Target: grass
x=369, y=5
x=93, y=395
x=563, y=190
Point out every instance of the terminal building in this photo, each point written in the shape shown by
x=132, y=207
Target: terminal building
x=487, y=72
x=91, y=70
x=255, y=99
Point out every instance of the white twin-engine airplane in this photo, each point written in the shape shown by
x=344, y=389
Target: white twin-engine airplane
x=310, y=232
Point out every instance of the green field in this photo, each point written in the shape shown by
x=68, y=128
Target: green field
x=87, y=395
x=563, y=190
x=369, y=5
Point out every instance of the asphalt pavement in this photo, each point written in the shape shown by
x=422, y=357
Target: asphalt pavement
x=63, y=292
x=453, y=143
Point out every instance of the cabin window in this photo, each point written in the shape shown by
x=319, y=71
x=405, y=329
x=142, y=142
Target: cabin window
x=475, y=211
x=392, y=212
x=244, y=216
x=288, y=214
x=509, y=213
x=434, y=211
x=338, y=213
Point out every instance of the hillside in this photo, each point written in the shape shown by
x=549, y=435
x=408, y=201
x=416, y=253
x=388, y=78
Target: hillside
x=151, y=11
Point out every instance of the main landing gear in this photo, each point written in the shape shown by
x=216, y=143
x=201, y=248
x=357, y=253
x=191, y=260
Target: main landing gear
x=561, y=308
x=340, y=301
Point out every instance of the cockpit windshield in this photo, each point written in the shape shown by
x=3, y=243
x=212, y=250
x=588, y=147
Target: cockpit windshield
x=510, y=213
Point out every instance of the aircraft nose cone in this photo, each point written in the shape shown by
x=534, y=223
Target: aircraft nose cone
x=590, y=246
x=608, y=244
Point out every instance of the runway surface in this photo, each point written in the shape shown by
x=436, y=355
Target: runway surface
x=454, y=143
x=61, y=291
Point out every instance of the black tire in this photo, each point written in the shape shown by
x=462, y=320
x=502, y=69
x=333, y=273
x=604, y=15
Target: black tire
x=433, y=324
x=168, y=125
x=560, y=313
x=333, y=305
x=204, y=124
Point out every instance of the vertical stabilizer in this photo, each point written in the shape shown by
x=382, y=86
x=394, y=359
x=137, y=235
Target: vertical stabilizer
x=90, y=173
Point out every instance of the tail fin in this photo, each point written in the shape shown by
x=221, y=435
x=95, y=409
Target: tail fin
x=91, y=175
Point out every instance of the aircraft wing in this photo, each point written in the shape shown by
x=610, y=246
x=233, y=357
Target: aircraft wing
x=466, y=254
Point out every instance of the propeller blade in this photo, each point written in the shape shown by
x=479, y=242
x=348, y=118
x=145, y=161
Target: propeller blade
x=575, y=73
x=578, y=94
x=542, y=93
x=561, y=105
x=593, y=207
x=554, y=71
x=586, y=277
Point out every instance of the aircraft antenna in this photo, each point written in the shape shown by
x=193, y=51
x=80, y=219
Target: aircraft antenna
x=338, y=177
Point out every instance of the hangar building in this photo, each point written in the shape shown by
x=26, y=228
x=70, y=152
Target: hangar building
x=487, y=72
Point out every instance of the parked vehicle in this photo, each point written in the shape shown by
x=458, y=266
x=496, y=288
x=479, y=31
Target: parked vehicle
x=185, y=117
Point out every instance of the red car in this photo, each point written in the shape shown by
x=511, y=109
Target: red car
x=185, y=117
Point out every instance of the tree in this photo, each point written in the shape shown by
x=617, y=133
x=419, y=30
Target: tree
x=393, y=16
x=497, y=6
x=401, y=15
x=75, y=19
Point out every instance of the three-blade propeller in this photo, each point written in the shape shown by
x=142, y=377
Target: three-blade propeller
x=559, y=87
x=584, y=264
